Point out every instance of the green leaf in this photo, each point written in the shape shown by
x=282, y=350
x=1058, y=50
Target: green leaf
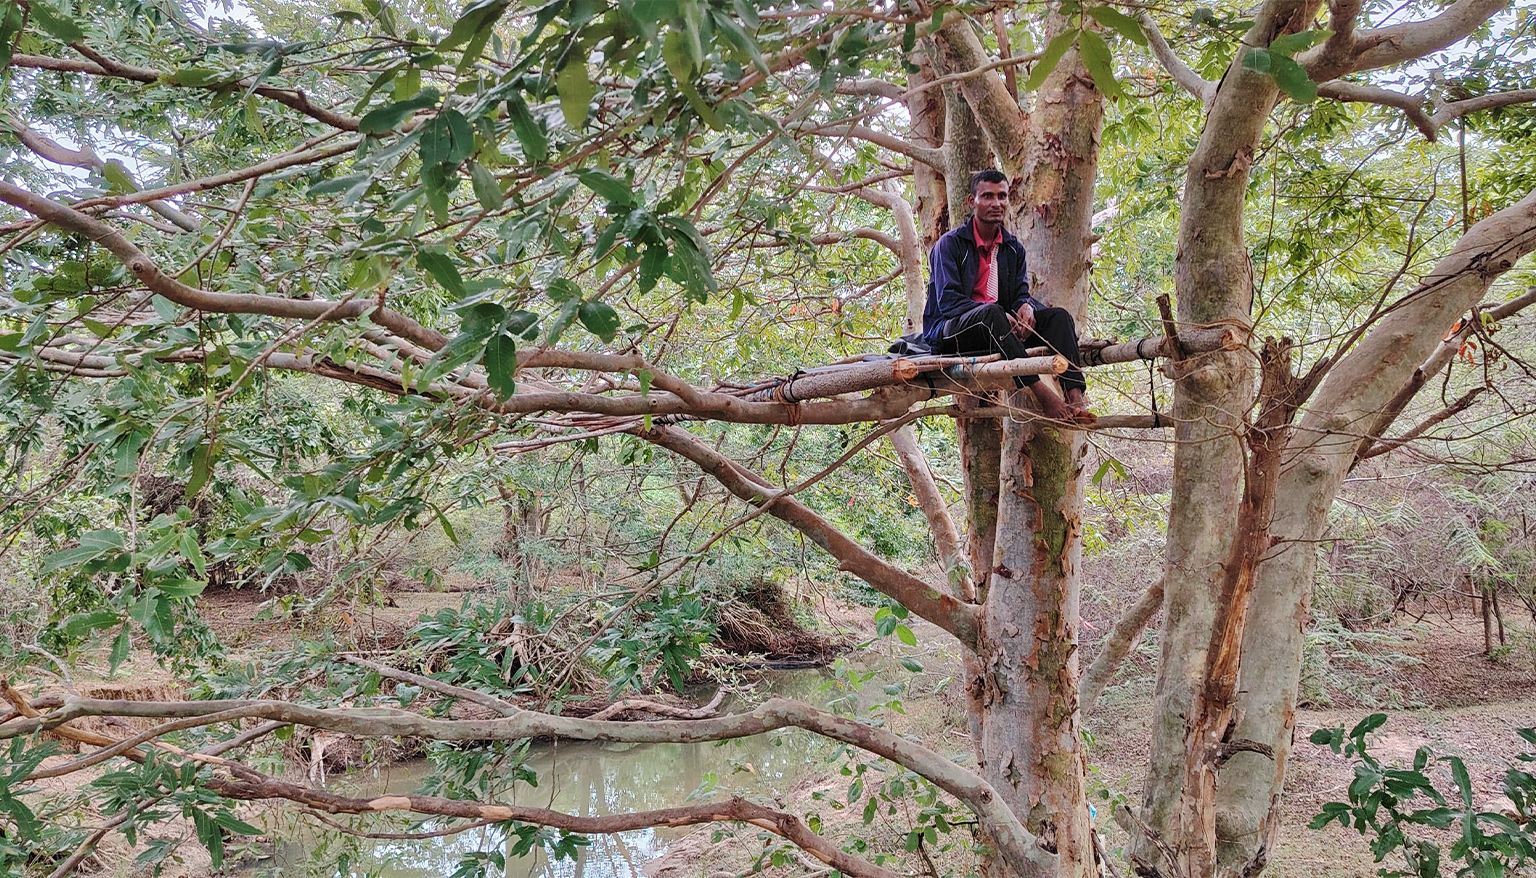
x=189, y=549
x=485, y=28
x=235, y=824
x=905, y=635
x=530, y=134
x=609, y=187
x=389, y=116
x=600, y=319
x=202, y=468
x=487, y=187
x=1257, y=60
x=92, y=545
x=563, y=289
x=1290, y=44
x=1462, y=778
x=81, y=624
x=912, y=664
x=576, y=90
x=1050, y=58
x=119, y=654
x=436, y=262
x=1369, y=724
x=1100, y=65
x=1293, y=79
x=476, y=325
x=476, y=17
x=674, y=50
x=653, y=264
x=1119, y=22
x=118, y=177
x=741, y=39
x=501, y=365
x=181, y=587
x=56, y=22
x=447, y=140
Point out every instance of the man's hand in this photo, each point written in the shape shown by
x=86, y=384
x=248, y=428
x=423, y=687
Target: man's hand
x=1024, y=321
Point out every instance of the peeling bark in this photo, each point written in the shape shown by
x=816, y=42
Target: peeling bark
x=1319, y=455
x=1028, y=646
x=1214, y=282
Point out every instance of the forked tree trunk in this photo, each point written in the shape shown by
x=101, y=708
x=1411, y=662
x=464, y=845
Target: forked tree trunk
x=1320, y=453
x=1029, y=488
x=1213, y=279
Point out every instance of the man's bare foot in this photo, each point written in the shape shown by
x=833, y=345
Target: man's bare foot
x=1051, y=405
x=1079, y=407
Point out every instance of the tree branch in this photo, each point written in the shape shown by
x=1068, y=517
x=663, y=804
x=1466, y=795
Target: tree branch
x=928, y=155
x=1021, y=848
x=157, y=281
x=1363, y=93
x=1119, y=643
x=946, y=537
x=100, y=65
x=1424, y=426
x=999, y=115
x=85, y=157
x=1192, y=82
x=1414, y=107
x=918, y=596
x=1385, y=46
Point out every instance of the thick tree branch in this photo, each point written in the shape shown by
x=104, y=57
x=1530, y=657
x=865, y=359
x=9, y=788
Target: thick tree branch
x=1000, y=116
x=1416, y=107
x=1374, y=48
x=157, y=281
x=100, y=65
x=946, y=537
x=1363, y=93
x=1371, y=444
x=1493, y=101
x=1192, y=82
x=1020, y=847
x=85, y=157
x=733, y=810
x=916, y=595
x=1119, y=643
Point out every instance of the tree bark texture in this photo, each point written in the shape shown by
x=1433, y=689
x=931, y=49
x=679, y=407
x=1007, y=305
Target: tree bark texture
x=1213, y=279
x=926, y=109
x=1028, y=646
x=1061, y=164
x=1318, y=456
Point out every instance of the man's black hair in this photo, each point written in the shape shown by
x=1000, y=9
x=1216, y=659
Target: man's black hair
x=987, y=175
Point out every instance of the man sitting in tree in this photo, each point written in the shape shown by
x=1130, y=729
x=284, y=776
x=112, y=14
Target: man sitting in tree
x=979, y=301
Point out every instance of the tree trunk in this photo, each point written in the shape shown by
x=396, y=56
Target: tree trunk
x=1320, y=453
x=1214, y=283
x=1487, y=609
x=967, y=152
x=1028, y=648
x=927, y=111
x=981, y=443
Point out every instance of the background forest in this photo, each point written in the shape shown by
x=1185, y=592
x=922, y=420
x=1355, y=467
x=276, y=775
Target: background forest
x=484, y=461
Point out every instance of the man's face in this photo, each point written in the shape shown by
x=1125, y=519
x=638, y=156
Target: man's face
x=991, y=202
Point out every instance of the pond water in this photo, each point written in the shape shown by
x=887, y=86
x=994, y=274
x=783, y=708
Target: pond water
x=589, y=779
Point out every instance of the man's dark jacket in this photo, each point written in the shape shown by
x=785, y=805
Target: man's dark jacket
x=952, y=269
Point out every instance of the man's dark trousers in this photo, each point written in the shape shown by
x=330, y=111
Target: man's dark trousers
x=985, y=329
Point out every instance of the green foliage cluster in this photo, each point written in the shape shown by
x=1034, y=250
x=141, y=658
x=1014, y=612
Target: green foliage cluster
x=1385, y=806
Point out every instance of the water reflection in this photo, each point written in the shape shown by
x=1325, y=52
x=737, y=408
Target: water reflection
x=595, y=779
